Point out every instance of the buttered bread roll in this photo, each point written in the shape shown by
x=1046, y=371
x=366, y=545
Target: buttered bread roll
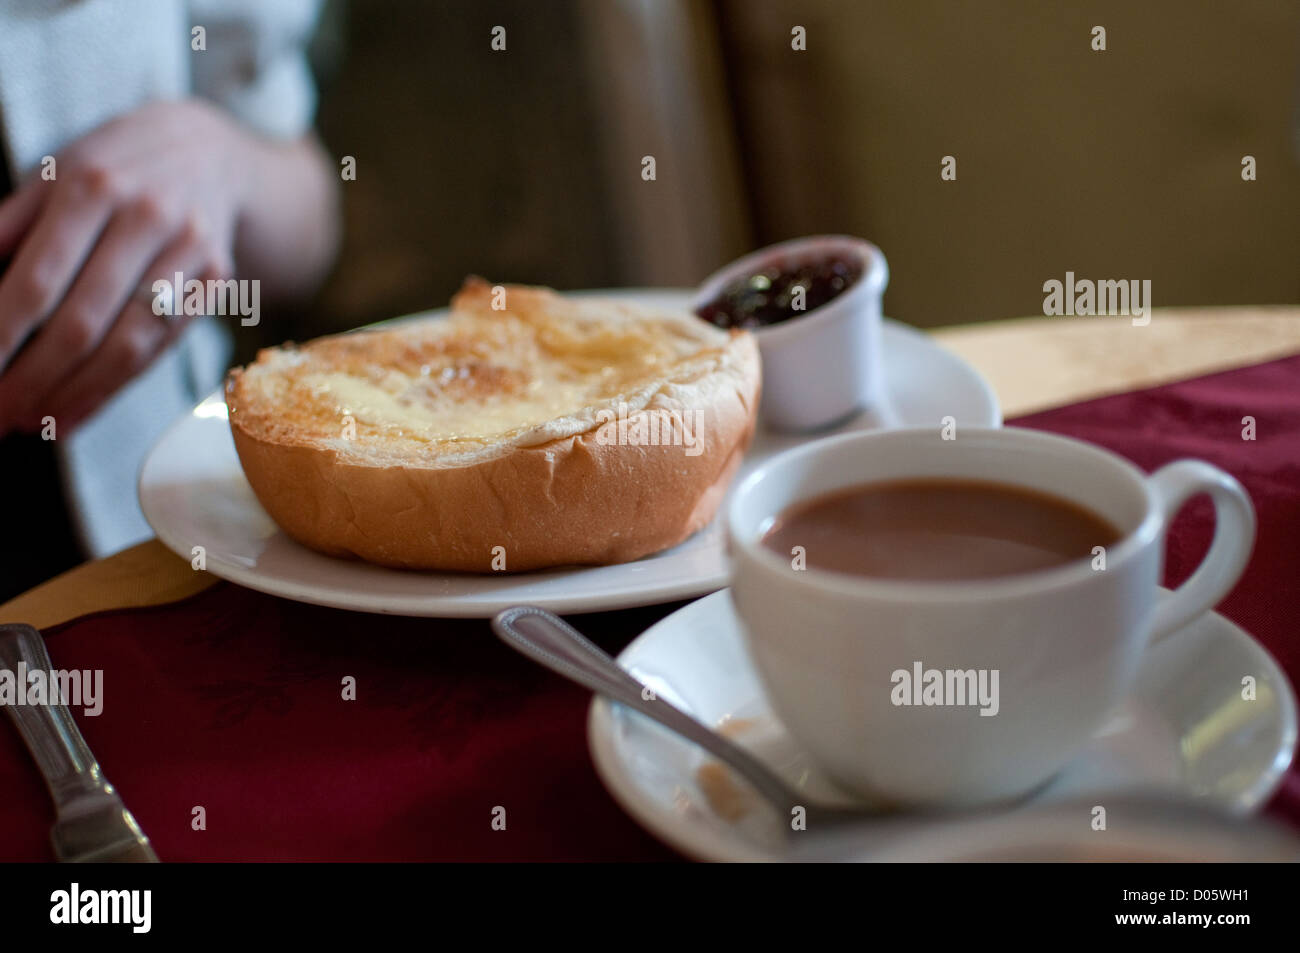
x=524, y=430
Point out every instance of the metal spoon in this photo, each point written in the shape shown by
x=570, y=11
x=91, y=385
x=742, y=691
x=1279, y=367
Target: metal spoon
x=546, y=638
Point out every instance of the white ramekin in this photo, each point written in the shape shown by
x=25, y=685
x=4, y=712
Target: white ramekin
x=824, y=365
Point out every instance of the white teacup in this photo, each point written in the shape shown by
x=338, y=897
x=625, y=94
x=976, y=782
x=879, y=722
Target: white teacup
x=1065, y=642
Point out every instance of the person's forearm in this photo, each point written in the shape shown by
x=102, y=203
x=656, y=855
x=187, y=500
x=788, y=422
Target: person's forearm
x=290, y=227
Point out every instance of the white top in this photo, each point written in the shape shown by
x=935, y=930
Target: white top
x=66, y=68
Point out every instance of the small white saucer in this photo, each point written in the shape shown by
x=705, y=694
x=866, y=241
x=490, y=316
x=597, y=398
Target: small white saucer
x=193, y=493
x=1185, y=731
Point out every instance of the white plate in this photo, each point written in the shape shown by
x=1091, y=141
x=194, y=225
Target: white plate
x=1185, y=730
x=193, y=493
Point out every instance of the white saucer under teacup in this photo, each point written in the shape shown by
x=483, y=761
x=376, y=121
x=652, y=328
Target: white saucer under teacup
x=1184, y=730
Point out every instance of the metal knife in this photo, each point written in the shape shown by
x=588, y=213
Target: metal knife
x=91, y=823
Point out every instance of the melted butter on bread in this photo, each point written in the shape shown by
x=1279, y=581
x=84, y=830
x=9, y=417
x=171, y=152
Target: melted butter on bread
x=478, y=379
x=425, y=413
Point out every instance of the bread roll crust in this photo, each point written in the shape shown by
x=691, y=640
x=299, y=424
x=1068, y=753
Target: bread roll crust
x=595, y=496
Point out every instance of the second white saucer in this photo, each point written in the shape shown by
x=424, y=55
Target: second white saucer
x=1185, y=731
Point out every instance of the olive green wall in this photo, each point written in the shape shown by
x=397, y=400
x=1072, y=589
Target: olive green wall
x=524, y=165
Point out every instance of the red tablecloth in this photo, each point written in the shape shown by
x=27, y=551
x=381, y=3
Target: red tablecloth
x=232, y=701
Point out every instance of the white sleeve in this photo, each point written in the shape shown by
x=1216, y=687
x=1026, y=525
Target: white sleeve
x=255, y=64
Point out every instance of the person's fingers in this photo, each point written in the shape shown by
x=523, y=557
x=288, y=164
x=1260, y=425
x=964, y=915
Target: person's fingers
x=98, y=294
x=134, y=340
x=19, y=210
x=49, y=258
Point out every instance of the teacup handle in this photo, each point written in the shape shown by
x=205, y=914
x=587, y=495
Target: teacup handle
x=1234, y=535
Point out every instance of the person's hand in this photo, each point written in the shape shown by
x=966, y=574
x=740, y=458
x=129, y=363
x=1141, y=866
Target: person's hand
x=158, y=191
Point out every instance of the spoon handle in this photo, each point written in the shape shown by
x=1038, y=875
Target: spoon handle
x=549, y=640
